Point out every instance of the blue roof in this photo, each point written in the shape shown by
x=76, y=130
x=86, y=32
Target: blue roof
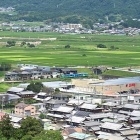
x=119, y=81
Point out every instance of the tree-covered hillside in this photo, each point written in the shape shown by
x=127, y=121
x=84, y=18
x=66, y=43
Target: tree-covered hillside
x=55, y=9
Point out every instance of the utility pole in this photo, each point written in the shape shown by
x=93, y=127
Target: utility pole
x=2, y=103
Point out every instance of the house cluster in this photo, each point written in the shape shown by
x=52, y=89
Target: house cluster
x=98, y=28
x=81, y=115
x=81, y=119
x=8, y=9
x=31, y=72
x=114, y=28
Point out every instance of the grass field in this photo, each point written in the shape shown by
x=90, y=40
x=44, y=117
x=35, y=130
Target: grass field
x=53, y=53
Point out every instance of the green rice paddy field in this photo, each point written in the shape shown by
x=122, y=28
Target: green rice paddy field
x=53, y=53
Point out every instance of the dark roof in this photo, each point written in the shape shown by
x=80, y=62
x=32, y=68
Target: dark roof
x=82, y=113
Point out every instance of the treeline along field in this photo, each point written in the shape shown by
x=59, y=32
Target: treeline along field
x=83, y=49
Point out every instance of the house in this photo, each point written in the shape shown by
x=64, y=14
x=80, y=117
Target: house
x=23, y=109
x=60, y=113
x=118, y=129
x=91, y=126
x=74, y=102
x=11, y=76
x=15, y=121
x=53, y=103
x=98, y=116
x=81, y=136
x=109, y=105
x=15, y=90
x=75, y=120
x=61, y=96
x=25, y=75
x=8, y=98
x=90, y=108
x=128, y=108
x=99, y=70
x=26, y=94
x=35, y=74
x=40, y=107
x=67, y=71
x=41, y=96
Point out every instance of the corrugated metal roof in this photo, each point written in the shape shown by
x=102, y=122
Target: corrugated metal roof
x=98, y=115
x=109, y=120
x=132, y=106
x=65, y=109
x=88, y=106
x=42, y=93
x=124, y=112
x=75, y=102
x=95, y=128
x=135, y=113
x=12, y=97
x=112, y=126
x=26, y=93
x=15, y=89
x=127, y=132
x=76, y=119
x=135, y=118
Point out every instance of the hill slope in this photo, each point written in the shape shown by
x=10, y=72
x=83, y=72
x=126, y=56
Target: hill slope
x=44, y=9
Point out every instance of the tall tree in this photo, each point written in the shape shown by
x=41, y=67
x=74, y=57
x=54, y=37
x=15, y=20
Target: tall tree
x=6, y=127
x=31, y=126
x=35, y=87
x=49, y=135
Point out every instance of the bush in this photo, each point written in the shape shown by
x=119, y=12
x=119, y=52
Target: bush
x=84, y=55
x=101, y=46
x=10, y=43
x=5, y=66
x=67, y=46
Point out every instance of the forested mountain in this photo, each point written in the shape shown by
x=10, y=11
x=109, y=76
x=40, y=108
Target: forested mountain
x=55, y=9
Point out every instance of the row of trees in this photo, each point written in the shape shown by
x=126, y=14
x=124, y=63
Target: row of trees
x=31, y=129
x=11, y=43
x=33, y=10
x=104, y=46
